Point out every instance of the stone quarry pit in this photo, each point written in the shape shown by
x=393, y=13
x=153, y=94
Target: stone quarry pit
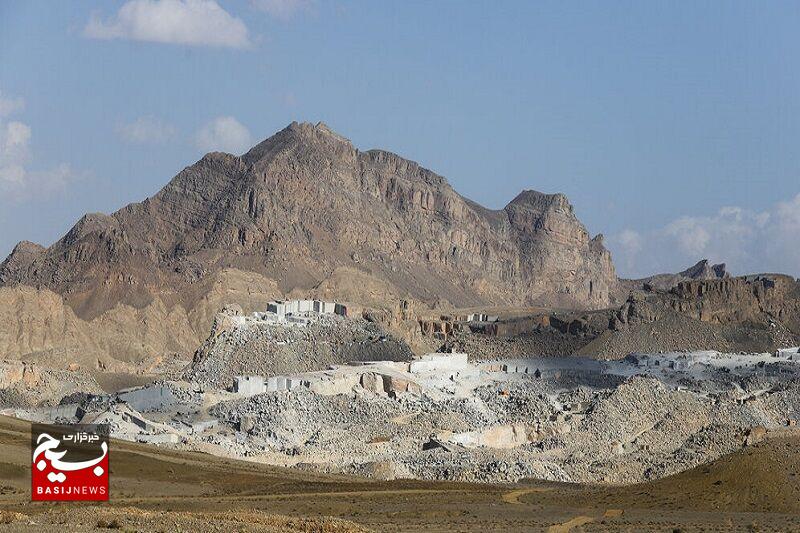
x=448, y=416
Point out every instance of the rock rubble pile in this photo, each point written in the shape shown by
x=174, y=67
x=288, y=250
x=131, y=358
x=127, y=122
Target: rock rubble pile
x=274, y=349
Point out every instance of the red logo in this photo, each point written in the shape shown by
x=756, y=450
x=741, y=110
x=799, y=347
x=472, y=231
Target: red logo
x=70, y=462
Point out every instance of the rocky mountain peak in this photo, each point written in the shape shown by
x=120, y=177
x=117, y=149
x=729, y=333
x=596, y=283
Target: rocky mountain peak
x=23, y=254
x=540, y=201
x=533, y=212
x=703, y=269
x=27, y=247
x=90, y=223
x=298, y=138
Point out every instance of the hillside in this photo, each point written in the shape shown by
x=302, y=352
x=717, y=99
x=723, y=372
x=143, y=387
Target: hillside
x=755, y=313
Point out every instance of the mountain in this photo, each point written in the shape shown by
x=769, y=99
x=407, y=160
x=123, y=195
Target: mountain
x=702, y=270
x=305, y=210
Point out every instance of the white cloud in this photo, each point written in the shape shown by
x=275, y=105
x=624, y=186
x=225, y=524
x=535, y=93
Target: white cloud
x=146, y=129
x=788, y=216
x=54, y=179
x=748, y=241
x=10, y=105
x=630, y=241
x=187, y=22
x=690, y=234
x=283, y=9
x=14, y=151
x=786, y=238
x=15, y=154
x=224, y=134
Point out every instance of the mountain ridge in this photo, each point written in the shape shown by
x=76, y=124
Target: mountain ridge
x=307, y=174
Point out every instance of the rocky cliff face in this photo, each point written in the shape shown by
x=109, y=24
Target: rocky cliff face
x=305, y=202
x=764, y=300
x=702, y=270
x=767, y=299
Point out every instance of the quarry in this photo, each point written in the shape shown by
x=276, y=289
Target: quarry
x=441, y=415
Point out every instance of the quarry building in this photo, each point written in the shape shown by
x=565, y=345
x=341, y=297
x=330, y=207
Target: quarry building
x=291, y=313
x=383, y=377
x=283, y=308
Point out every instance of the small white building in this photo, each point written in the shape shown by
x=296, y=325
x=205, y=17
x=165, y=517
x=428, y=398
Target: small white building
x=481, y=317
x=789, y=353
x=248, y=384
x=284, y=308
x=449, y=365
x=682, y=364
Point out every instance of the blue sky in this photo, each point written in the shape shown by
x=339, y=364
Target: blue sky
x=672, y=127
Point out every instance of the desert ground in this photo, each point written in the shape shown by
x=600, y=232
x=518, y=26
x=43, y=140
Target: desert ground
x=755, y=489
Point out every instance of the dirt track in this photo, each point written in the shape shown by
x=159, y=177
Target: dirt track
x=153, y=489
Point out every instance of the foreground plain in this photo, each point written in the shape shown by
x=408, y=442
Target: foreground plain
x=757, y=489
